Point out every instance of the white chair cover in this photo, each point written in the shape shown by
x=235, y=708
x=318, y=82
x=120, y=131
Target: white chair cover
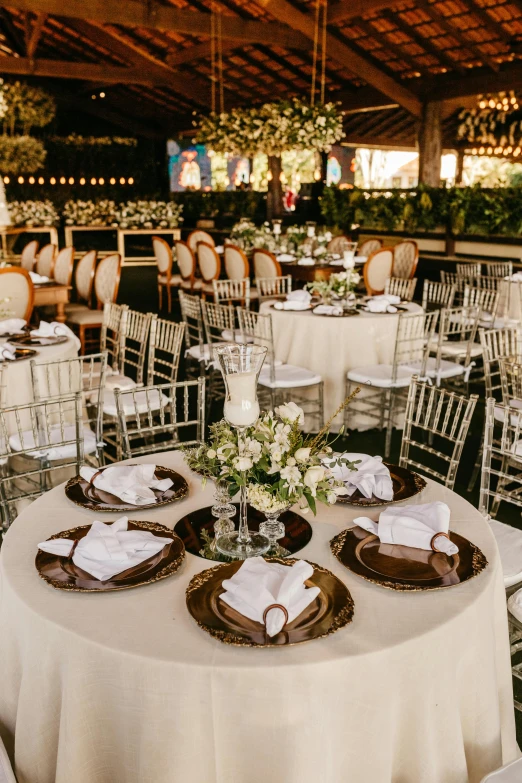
x=107, y=279
x=16, y=287
x=163, y=255
x=84, y=275
x=369, y=246
x=199, y=236
x=209, y=262
x=45, y=262
x=377, y=270
x=186, y=260
x=28, y=256
x=236, y=263
x=265, y=264
x=63, y=266
x=6, y=770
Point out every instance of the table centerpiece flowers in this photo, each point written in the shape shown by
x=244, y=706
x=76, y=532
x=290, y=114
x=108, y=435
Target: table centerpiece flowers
x=340, y=285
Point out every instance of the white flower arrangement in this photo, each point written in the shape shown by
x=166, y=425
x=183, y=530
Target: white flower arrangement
x=339, y=284
x=89, y=213
x=129, y=214
x=246, y=235
x=33, y=213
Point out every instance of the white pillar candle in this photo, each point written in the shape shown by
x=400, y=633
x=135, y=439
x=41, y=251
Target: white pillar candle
x=348, y=259
x=310, y=231
x=241, y=406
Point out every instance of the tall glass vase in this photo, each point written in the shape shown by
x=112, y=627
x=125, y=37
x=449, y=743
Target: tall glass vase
x=241, y=365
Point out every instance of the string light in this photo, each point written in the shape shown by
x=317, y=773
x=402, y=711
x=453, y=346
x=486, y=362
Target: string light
x=62, y=180
x=41, y=180
x=52, y=181
x=481, y=150
x=131, y=180
x=31, y=180
x=489, y=150
x=122, y=180
x=93, y=181
x=82, y=181
x=71, y=180
x=101, y=181
x=269, y=176
x=21, y=180
x=102, y=95
x=112, y=181
x=7, y=180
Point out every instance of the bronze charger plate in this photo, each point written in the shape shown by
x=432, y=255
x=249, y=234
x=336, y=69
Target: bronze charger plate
x=20, y=355
x=86, y=495
x=301, y=309
x=63, y=574
x=332, y=609
x=190, y=528
x=344, y=314
x=406, y=484
x=406, y=568
x=27, y=339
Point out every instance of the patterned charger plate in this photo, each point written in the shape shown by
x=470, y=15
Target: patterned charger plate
x=332, y=609
x=406, y=484
x=62, y=574
x=86, y=495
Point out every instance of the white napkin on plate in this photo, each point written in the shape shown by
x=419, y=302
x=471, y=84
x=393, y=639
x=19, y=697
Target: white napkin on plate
x=7, y=352
x=384, y=303
x=36, y=278
x=12, y=326
x=306, y=261
x=360, y=259
x=285, y=257
x=299, y=295
x=516, y=277
x=328, y=310
x=55, y=329
x=413, y=526
x=131, y=483
x=219, y=249
x=108, y=549
x=257, y=584
x=335, y=256
x=370, y=476
x=291, y=305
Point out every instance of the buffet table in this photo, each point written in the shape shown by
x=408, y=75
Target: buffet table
x=125, y=686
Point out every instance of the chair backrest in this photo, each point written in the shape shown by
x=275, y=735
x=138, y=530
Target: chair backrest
x=166, y=342
x=398, y=286
x=236, y=263
x=484, y=299
x=162, y=417
x=499, y=268
x=412, y=343
x=45, y=260
x=377, y=269
x=199, y=236
x=107, y=279
x=258, y=327
x=369, y=246
x=232, y=291
x=191, y=316
x=338, y=244
x=436, y=425
x=436, y=295
x=273, y=287
x=265, y=264
x=84, y=276
x=219, y=321
x=489, y=282
x=186, y=260
x=134, y=337
x=16, y=293
x=459, y=281
x=469, y=269
x=63, y=267
x=28, y=255
x=405, y=259
x=511, y=381
x=501, y=478
x=498, y=344
x=163, y=255
x=110, y=338
x=209, y=262
x=458, y=326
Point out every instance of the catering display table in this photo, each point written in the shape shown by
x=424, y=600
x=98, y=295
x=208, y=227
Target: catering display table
x=125, y=687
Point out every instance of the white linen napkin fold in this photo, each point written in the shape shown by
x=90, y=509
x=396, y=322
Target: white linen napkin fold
x=516, y=277
x=306, y=261
x=413, y=526
x=12, y=326
x=131, y=483
x=384, y=303
x=370, y=476
x=108, y=549
x=258, y=584
x=291, y=305
x=328, y=310
x=36, y=278
x=7, y=352
x=219, y=249
x=360, y=259
x=285, y=257
x=299, y=295
x=55, y=329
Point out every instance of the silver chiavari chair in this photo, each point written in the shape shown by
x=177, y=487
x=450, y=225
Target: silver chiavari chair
x=437, y=295
x=111, y=330
x=459, y=281
x=3, y=384
x=83, y=374
x=499, y=268
x=489, y=282
x=41, y=445
x=166, y=344
x=469, y=269
x=485, y=300
x=219, y=322
x=282, y=382
x=454, y=347
x=230, y=291
x=274, y=287
x=511, y=382
x=398, y=286
x=162, y=417
x=196, y=351
x=436, y=425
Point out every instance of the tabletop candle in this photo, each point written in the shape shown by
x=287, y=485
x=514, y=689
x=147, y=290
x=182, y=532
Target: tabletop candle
x=241, y=406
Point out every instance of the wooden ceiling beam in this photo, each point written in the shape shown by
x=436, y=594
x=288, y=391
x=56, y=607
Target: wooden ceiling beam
x=34, y=32
x=488, y=21
x=180, y=56
x=371, y=31
x=475, y=82
x=351, y=9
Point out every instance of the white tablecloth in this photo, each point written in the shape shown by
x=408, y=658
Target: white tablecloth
x=124, y=687
x=332, y=346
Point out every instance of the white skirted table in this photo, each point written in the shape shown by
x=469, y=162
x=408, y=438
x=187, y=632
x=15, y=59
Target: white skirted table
x=124, y=687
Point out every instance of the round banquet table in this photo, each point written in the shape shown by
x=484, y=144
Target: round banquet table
x=124, y=687
x=330, y=346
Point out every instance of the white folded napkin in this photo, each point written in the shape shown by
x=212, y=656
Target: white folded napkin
x=7, y=352
x=258, y=584
x=370, y=476
x=335, y=256
x=36, y=278
x=285, y=257
x=131, y=483
x=328, y=310
x=291, y=305
x=299, y=295
x=55, y=329
x=414, y=526
x=337, y=262
x=360, y=259
x=219, y=249
x=116, y=381
x=306, y=261
x=12, y=326
x=384, y=303
x=516, y=277
x=108, y=549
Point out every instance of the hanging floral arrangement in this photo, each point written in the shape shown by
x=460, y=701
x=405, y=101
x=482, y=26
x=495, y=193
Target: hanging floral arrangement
x=273, y=128
x=23, y=107
x=497, y=121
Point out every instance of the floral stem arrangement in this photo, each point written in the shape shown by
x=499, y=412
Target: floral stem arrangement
x=338, y=285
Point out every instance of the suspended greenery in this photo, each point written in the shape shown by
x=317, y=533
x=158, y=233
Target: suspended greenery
x=27, y=107
x=21, y=154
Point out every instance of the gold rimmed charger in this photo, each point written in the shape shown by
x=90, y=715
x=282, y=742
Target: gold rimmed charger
x=40, y=342
x=63, y=574
x=332, y=609
x=21, y=354
x=406, y=484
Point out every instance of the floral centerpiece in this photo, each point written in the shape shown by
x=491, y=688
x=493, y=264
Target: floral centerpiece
x=33, y=213
x=340, y=285
x=89, y=213
x=148, y=214
x=246, y=235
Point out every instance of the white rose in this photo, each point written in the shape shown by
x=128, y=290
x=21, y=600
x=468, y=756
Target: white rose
x=290, y=461
x=242, y=463
x=211, y=454
x=290, y=412
x=302, y=455
x=331, y=498
x=312, y=477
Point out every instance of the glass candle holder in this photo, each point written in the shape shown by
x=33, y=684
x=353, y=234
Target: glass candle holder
x=349, y=255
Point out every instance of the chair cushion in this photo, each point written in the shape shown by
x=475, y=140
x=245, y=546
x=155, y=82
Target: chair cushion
x=140, y=402
x=115, y=381
x=509, y=542
x=288, y=376
x=381, y=375
x=186, y=284
x=73, y=307
x=454, y=348
x=86, y=317
x=199, y=353
x=235, y=337
x=55, y=452
x=446, y=370
x=174, y=279
x=207, y=288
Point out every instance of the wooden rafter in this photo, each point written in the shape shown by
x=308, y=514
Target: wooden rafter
x=196, y=52
x=351, y=9
x=488, y=21
x=34, y=31
x=372, y=32
x=475, y=82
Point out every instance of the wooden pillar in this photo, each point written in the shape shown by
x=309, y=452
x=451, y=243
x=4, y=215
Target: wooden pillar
x=460, y=167
x=430, y=144
x=274, y=203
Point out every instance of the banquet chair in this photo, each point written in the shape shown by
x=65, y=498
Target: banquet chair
x=84, y=374
x=45, y=260
x=282, y=382
x=83, y=280
x=196, y=350
x=219, y=322
x=405, y=259
x=265, y=264
x=385, y=385
x=338, y=245
x=3, y=384
x=236, y=262
x=230, y=291
x=28, y=255
x=499, y=268
x=489, y=282
x=459, y=281
x=106, y=284
x=186, y=260
x=164, y=261
x=209, y=264
x=454, y=347
x=199, y=236
x=16, y=293
x=436, y=421
x=437, y=295
x=273, y=287
x=165, y=346
x=41, y=444
x=377, y=269
x=6, y=770
x=162, y=417
x=469, y=269
x=63, y=266
x=398, y=286
x=369, y=246
x=485, y=300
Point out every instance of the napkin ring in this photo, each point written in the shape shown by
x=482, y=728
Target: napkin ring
x=432, y=542
x=95, y=476
x=275, y=606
